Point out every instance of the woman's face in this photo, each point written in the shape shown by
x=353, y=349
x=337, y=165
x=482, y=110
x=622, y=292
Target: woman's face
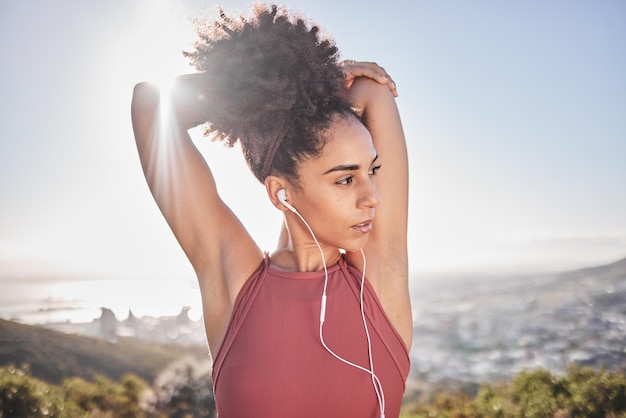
x=337, y=194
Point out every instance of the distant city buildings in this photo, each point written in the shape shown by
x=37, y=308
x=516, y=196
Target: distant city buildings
x=490, y=331
x=179, y=329
x=468, y=331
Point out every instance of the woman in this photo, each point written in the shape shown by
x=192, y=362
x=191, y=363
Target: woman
x=288, y=332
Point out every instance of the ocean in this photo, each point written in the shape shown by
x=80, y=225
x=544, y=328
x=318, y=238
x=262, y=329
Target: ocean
x=38, y=301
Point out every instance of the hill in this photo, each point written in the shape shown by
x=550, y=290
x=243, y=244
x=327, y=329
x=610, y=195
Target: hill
x=610, y=273
x=53, y=356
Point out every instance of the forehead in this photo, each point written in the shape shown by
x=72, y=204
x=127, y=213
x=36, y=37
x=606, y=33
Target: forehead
x=347, y=142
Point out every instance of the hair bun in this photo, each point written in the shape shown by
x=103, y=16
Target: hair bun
x=271, y=78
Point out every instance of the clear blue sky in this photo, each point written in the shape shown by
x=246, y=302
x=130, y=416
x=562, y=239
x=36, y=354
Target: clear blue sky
x=514, y=112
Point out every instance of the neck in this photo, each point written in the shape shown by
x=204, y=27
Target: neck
x=297, y=251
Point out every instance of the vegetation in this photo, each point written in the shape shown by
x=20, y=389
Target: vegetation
x=22, y=395
x=181, y=393
x=582, y=392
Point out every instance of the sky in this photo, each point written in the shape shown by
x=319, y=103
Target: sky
x=514, y=114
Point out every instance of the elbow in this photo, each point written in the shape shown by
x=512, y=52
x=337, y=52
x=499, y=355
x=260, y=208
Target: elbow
x=145, y=91
x=145, y=98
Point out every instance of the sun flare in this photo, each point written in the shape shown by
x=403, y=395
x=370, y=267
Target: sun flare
x=165, y=85
x=167, y=31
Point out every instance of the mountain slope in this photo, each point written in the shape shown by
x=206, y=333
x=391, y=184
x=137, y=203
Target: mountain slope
x=53, y=356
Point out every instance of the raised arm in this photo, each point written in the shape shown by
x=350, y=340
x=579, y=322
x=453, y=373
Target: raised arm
x=372, y=91
x=217, y=245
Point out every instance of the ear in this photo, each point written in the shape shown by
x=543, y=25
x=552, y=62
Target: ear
x=272, y=185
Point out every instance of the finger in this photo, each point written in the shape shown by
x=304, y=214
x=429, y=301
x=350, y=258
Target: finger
x=392, y=86
x=365, y=69
x=371, y=70
x=348, y=82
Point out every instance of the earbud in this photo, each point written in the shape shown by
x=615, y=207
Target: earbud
x=282, y=198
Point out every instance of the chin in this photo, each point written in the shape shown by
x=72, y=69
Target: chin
x=354, y=247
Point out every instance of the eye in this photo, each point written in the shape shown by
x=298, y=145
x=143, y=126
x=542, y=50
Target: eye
x=374, y=169
x=345, y=181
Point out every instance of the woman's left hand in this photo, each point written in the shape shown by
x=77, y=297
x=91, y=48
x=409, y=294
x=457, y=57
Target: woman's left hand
x=354, y=69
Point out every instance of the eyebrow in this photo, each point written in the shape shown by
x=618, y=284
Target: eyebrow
x=348, y=167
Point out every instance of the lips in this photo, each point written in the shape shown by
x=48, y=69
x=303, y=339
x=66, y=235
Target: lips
x=363, y=227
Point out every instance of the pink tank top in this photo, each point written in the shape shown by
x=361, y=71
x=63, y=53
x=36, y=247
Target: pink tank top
x=272, y=363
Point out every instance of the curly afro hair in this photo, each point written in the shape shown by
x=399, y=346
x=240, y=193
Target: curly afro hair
x=273, y=83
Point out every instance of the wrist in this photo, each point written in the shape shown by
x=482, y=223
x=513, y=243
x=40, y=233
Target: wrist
x=365, y=92
x=188, y=100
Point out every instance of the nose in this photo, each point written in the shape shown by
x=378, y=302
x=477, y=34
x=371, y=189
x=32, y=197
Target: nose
x=369, y=197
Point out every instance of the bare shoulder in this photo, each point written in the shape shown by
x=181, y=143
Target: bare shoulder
x=388, y=277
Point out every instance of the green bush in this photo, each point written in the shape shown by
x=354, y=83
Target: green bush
x=537, y=394
x=581, y=392
x=445, y=405
x=183, y=392
x=104, y=396
x=593, y=394
x=22, y=395
x=492, y=401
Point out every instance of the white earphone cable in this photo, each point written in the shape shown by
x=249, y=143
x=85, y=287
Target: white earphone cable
x=378, y=387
